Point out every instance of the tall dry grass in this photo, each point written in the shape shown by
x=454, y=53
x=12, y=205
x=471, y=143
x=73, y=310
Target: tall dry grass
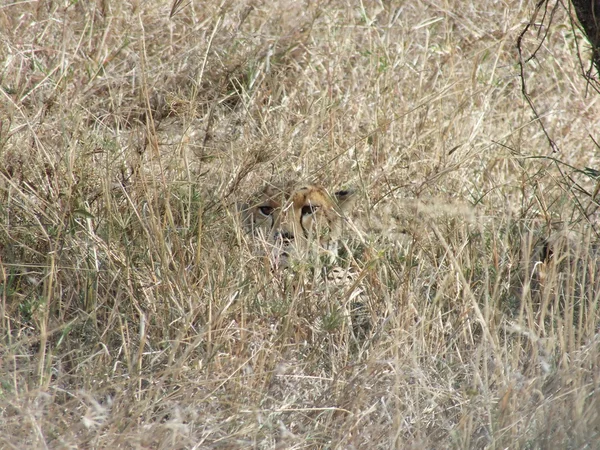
x=134, y=312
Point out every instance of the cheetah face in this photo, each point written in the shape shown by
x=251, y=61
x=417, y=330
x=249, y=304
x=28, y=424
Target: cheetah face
x=299, y=219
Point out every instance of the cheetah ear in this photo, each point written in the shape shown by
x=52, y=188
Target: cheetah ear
x=345, y=199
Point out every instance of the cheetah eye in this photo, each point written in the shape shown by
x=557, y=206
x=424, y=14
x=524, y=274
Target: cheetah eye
x=265, y=210
x=309, y=209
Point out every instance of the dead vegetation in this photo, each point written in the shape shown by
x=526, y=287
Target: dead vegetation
x=134, y=314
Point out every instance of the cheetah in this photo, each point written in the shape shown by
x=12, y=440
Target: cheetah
x=295, y=223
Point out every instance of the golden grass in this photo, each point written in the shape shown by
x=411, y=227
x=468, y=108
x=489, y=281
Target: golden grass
x=134, y=312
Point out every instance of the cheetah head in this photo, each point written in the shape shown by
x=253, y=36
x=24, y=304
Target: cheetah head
x=295, y=220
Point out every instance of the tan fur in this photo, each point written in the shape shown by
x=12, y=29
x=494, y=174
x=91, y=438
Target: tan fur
x=294, y=216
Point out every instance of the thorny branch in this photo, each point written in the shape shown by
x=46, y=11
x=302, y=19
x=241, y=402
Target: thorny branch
x=587, y=12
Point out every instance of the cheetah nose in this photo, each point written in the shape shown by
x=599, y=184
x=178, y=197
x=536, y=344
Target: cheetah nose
x=285, y=236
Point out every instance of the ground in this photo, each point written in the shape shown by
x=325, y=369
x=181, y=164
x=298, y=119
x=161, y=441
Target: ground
x=135, y=311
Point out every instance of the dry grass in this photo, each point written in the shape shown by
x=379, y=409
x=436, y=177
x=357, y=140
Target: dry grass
x=134, y=313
